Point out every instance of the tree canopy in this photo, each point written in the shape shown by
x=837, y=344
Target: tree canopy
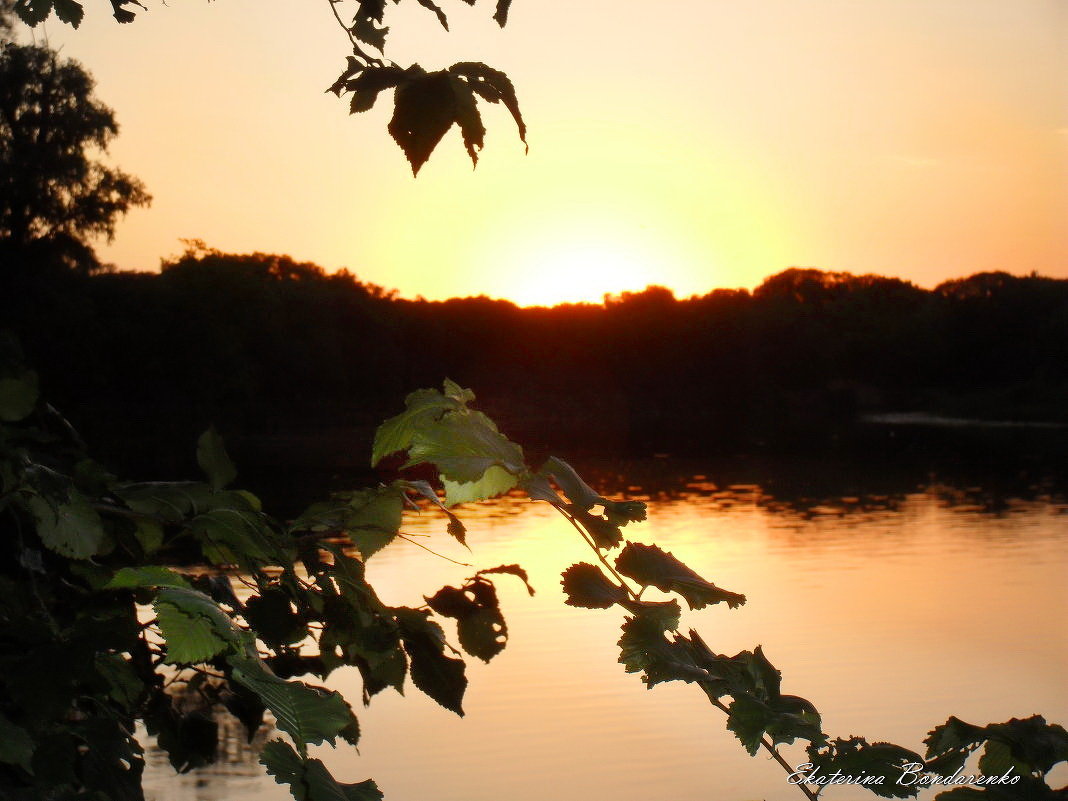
x=55, y=193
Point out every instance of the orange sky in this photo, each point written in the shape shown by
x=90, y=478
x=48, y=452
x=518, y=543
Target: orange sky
x=710, y=146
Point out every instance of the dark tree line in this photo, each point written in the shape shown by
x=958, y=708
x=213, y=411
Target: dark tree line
x=264, y=344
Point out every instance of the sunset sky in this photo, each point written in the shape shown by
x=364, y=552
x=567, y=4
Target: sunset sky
x=710, y=146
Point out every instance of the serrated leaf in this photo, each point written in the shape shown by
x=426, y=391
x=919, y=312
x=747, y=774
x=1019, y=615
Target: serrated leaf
x=463, y=446
x=468, y=118
x=214, y=460
x=18, y=396
x=438, y=676
x=856, y=757
x=146, y=576
x=586, y=586
x=424, y=109
x=72, y=529
x=650, y=566
x=271, y=615
x=369, y=84
x=190, y=638
x=33, y=12
x=644, y=648
x=368, y=31
x=69, y=11
x=310, y=715
x=421, y=406
x=493, y=86
x=308, y=779
x=783, y=720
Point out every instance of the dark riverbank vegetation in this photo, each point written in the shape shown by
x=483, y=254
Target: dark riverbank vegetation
x=284, y=356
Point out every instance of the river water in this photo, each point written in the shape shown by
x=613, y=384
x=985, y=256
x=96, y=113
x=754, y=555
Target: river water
x=890, y=612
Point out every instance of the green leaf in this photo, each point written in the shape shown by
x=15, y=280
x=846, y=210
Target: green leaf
x=421, y=407
x=463, y=446
x=195, y=627
x=440, y=677
x=644, y=648
x=586, y=586
x=495, y=481
x=308, y=779
x=856, y=757
x=650, y=566
x=190, y=638
x=310, y=715
x=783, y=719
x=18, y=396
x=146, y=576
x=72, y=529
x=214, y=460
x=16, y=745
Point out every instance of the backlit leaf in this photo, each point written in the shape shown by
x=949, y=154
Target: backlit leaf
x=440, y=677
x=856, y=757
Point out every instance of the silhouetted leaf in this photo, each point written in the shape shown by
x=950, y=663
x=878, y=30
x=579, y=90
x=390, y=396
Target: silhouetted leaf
x=33, y=12
x=366, y=23
x=374, y=518
x=309, y=780
x=468, y=118
x=424, y=109
x=69, y=11
x=493, y=86
x=501, y=14
x=650, y=566
x=644, y=648
x=586, y=586
x=369, y=84
x=214, y=460
x=514, y=570
x=271, y=615
x=430, y=6
x=439, y=676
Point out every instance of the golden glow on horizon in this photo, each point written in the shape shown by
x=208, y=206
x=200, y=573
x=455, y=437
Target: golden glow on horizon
x=904, y=137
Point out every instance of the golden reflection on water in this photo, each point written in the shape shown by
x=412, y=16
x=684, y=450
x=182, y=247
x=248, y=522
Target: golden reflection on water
x=890, y=614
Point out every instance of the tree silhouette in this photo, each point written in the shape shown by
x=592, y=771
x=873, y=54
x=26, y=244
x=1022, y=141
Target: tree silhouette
x=54, y=192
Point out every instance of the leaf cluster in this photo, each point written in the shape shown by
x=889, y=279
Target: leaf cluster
x=99, y=627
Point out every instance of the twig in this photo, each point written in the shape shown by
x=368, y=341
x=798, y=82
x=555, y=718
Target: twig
x=429, y=550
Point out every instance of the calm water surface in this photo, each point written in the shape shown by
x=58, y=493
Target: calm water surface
x=889, y=613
